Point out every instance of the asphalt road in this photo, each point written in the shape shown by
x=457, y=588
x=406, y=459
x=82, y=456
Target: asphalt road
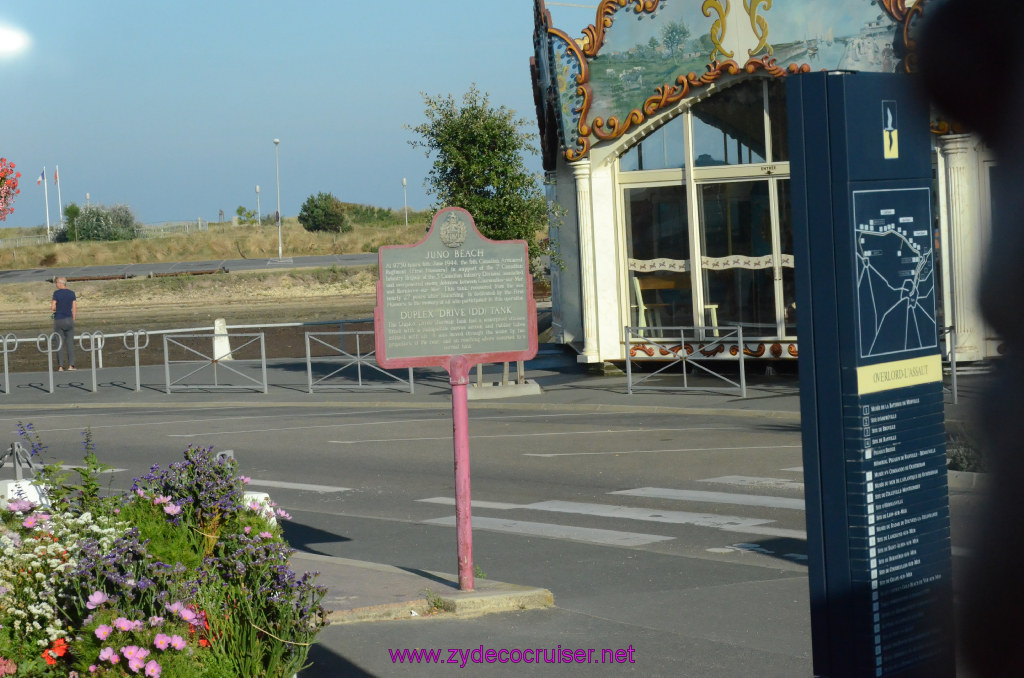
x=131, y=270
x=633, y=520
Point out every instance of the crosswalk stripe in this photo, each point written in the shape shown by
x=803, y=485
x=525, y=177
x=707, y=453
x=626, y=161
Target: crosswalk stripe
x=450, y=501
x=755, y=481
x=715, y=497
x=652, y=515
x=297, y=486
x=769, y=532
x=584, y=534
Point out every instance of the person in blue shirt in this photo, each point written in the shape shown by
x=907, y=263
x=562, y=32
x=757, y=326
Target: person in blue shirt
x=65, y=310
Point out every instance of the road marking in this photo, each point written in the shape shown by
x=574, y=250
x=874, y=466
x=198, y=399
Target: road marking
x=754, y=481
x=715, y=497
x=585, y=534
x=532, y=435
x=439, y=419
x=450, y=501
x=769, y=532
x=674, y=449
x=298, y=486
x=653, y=515
x=794, y=469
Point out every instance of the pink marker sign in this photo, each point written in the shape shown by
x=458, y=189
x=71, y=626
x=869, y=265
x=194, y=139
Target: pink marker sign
x=453, y=300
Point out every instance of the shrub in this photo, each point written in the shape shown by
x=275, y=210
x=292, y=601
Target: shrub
x=324, y=212
x=99, y=222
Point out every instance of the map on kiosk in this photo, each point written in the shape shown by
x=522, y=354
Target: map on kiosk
x=895, y=254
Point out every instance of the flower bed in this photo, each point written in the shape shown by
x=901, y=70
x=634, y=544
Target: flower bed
x=183, y=576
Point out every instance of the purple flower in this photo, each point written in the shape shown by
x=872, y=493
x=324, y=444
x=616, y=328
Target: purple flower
x=96, y=598
x=103, y=631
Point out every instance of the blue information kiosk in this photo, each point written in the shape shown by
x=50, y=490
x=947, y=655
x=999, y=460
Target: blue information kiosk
x=874, y=447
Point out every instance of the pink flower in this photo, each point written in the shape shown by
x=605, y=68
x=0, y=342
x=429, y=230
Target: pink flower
x=172, y=509
x=281, y=513
x=129, y=651
x=106, y=653
x=245, y=479
x=135, y=663
x=162, y=641
x=153, y=669
x=123, y=624
x=188, y=615
x=30, y=522
x=174, y=607
x=155, y=621
x=247, y=529
x=19, y=505
x=96, y=598
x=162, y=499
x=102, y=631
x=266, y=535
x=177, y=642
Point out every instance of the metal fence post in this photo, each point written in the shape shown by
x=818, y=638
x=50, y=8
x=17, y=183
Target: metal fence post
x=137, y=336
x=10, y=345
x=47, y=341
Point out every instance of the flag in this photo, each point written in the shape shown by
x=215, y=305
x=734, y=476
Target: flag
x=56, y=181
x=42, y=177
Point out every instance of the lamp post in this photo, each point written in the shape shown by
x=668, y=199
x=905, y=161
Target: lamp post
x=277, y=169
x=259, y=218
x=405, y=203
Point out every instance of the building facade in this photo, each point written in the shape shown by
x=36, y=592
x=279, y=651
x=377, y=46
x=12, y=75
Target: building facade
x=664, y=134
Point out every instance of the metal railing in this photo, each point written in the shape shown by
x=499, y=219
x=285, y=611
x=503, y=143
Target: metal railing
x=357, y=359
x=950, y=340
x=674, y=347
x=203, y=363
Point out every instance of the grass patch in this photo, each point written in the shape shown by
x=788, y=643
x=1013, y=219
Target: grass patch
x=372, y=227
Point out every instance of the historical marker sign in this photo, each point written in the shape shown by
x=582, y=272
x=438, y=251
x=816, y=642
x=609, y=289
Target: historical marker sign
x=870, y=378
x=453, y=300
x=455, y=293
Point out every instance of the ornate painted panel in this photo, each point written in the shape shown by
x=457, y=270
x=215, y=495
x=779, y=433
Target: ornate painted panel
x=640, y=56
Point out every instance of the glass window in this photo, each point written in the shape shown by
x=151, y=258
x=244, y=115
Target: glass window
x=659, y=257
x=665, y=148
x=728, y=127
x=739, y=276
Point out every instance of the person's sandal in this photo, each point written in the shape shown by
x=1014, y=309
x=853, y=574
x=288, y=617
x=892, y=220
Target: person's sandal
x=60, y=369
x=71, y=369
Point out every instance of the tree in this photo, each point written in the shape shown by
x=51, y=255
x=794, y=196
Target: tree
x=479, y=166
x=71, y=214
x=245, y=216
x=674, y=36
x=324, y=212
x=8, y=187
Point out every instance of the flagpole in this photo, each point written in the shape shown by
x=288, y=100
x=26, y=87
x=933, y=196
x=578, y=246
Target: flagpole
x=60, y=205
x=46, y=198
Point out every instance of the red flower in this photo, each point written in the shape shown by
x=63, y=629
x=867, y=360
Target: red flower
x=58, y=649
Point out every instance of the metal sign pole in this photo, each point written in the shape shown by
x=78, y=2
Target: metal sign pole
x=459, y=379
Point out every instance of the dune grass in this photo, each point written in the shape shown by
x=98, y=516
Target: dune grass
x=373, y=227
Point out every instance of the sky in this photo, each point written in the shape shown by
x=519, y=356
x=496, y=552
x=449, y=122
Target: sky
x=172, y=108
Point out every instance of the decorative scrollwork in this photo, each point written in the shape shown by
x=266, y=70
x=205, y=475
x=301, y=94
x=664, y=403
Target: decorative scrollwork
x=899, y=11
x=593, y=35
x=776, y=350
x=941, y=127
x=717, y=28
x=754, y=354
x=758, y=24
x=711, y=352
x=793, y=351
x=641, y=348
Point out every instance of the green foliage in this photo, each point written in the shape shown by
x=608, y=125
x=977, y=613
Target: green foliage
x=99, y=222
x=71, y=213
x=478, y=165
x=246, y=216
x=367, y=214
x=324, y=212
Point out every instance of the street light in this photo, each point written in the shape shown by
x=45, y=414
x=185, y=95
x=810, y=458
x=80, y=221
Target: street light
x=405, y=202
x=277, y=169
x=259, y=219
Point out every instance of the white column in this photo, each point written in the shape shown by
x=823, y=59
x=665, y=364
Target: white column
x=588, y=281
x=962, y=262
